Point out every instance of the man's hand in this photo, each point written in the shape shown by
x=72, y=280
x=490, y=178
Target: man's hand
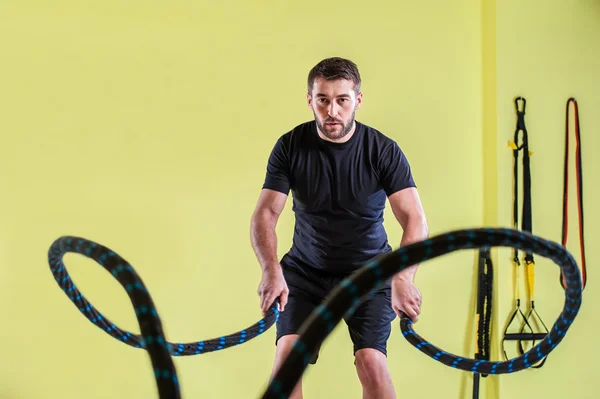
x=406, y=297
x=272, y=285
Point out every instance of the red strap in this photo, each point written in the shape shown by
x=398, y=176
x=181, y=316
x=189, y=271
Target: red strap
x=579, y=172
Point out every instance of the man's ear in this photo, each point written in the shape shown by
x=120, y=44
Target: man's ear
x=309, y=99
x=359, y=99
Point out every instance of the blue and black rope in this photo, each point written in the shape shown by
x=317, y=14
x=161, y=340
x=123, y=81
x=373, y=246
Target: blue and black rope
x=352, y=290
x=152, y=337
x=322, y=321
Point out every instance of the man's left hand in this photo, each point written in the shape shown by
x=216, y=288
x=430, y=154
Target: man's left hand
x=406, y=298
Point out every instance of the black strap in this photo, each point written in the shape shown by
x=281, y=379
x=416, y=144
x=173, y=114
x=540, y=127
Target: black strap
x=532, y=319
x=485, y=274
x=526, y=330
x=484, y=303
x=526, y=222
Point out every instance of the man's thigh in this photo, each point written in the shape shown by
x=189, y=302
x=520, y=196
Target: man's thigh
x=306, y=292
x=370, y=324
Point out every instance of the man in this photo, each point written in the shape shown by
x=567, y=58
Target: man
x=340, y=172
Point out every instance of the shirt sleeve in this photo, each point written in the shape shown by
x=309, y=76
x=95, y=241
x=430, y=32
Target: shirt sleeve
x=394, y=170
x=278, y=169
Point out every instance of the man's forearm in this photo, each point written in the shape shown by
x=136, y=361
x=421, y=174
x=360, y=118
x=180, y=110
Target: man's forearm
x=264, y=241
x=416, y=230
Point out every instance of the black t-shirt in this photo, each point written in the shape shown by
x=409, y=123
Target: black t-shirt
x=339, y=193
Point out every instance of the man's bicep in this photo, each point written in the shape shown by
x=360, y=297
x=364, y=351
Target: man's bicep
x=271, y=201
x=406, y=204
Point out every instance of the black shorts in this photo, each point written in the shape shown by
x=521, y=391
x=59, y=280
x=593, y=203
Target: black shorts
x=369, y=326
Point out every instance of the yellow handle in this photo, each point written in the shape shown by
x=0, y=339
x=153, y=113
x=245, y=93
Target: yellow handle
x=530, y=278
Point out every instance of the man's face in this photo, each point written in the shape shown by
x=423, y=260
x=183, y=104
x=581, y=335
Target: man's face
x=334, y=103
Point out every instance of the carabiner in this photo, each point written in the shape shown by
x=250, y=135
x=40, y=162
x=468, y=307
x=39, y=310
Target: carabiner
x=519, y=111
x=520, y=119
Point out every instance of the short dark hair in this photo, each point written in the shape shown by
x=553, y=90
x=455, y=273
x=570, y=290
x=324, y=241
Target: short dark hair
x=335, y=68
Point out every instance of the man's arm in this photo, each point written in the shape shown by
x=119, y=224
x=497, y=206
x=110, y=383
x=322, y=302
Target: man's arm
x=406, y=205
x=262, y=227
x=263, y=237
x=408, y=210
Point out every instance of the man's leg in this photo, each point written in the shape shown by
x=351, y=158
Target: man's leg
x=284, y=345
x=305, y=294
x=373, y=373
x=370, y=327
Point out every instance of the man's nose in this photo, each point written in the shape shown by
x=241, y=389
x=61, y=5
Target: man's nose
x=333, y=110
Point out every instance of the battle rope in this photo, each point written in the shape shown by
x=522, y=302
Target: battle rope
x=349, y=293
x=579, y=174
x=526, y=331
x=152, y=338
x=485, y=278
x=343, y=299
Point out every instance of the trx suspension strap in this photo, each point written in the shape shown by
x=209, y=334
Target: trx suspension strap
x=526, y=330
x=485, y=274
x=579, y=172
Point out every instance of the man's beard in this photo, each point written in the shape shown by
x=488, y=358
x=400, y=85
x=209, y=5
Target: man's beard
x=333, y=136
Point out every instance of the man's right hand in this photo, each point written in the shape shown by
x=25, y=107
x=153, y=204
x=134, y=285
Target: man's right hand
x=272, y=285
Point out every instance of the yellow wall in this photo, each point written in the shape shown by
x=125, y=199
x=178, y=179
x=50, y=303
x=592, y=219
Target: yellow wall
x=548, y=52
x=146, y=127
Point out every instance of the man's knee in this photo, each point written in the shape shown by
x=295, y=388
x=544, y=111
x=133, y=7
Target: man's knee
x=371, y=365
x=283, y=347
x=286, y=342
